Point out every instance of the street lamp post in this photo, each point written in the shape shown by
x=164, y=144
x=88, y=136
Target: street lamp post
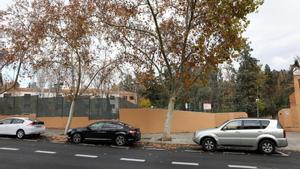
x=257, y=108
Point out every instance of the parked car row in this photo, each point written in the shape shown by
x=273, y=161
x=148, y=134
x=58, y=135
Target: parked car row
x=113, y=131
x=253, y=134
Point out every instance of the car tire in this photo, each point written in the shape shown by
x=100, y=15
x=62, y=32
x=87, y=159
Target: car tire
x=209, y=144
x=266, y=146
x=76, y=138
x=20, y=134
x=120, y=140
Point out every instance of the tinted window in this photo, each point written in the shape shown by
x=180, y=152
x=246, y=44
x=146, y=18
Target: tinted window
x=233, y=125
x=251, y=124
x=279, y=125
x=96, y=126
x=265, y=123
x=17, y=121
x=6, y=121
x=112, y=126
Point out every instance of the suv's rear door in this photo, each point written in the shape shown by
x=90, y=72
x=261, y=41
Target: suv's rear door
x=252, y=129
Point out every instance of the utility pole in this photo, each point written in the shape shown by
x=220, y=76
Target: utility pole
x=257, y=107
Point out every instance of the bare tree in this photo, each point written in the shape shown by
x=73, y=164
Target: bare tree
x=63, y=40
x=180, y=41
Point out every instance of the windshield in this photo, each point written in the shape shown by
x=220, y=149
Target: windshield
x=222, y=124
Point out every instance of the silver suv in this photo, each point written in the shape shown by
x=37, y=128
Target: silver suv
x=253, y=134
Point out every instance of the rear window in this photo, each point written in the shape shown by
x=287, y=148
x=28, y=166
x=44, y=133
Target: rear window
x=279, y=125
x=265, y=123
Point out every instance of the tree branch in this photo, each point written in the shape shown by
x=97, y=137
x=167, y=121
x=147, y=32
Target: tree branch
x=17, y=76
x=160, y=40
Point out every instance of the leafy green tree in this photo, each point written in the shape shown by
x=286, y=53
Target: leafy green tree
x=181, y=40
x=247, y=84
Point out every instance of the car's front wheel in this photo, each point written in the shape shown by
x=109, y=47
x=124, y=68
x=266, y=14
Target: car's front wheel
x=120, y=140
x=20, y=134
x=267, y=146
x=209, y=144
x=76, y=138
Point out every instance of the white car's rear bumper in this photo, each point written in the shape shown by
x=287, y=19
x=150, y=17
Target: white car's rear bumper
x=35, y=130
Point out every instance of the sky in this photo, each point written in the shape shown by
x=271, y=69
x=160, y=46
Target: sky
x=274, y=32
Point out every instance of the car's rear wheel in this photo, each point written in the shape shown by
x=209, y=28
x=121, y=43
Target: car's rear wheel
x=120, y=140
x=267, y=146
x=209, y=144
x=20, y=134
x=76, y=138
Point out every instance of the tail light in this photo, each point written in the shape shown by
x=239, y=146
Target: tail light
x=31, y=124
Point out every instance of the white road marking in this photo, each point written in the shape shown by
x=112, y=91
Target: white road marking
x=184, y=163
x=120, y=147
x=282, y=154
x=8, y=148
x=132, y=159
x=85, y=155
x=45, y=152
x=242, y=166
x=30, y=140
x=194, y=151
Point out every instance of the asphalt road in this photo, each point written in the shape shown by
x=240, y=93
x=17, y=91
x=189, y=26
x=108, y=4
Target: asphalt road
x=41, y=154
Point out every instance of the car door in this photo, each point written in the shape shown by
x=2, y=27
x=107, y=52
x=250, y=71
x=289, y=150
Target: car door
x=95, y=131
x=111, y=130
x=15, y=125
x=5, y=126
x=250, y=132
x=229, y=135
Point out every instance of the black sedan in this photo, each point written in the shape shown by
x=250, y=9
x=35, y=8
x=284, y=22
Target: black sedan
x=116, y=132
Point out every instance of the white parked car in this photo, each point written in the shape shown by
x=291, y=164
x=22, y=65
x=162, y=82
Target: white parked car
x=20, y=127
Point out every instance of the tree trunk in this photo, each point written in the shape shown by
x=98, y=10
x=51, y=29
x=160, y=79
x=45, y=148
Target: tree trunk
x=70, y=116
x=168, y=122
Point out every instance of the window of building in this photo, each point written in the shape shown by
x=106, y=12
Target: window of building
x=131, y=97
x=112, y=106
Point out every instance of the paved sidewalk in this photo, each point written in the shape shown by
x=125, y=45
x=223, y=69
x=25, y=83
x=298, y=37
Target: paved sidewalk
x=293, y=140
x=56, y=135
